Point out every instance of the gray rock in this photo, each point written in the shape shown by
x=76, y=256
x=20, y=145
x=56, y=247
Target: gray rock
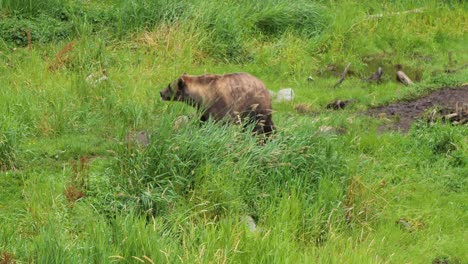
x=139, y=138
x=250, y=223
x=332, y=130
x=327, y=129
x=286, y=94
x=180, y=122
x=97, y=78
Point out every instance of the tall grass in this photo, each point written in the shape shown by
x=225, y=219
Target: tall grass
x=176, y=162
x=351, y=195
x=274, y=18
x=33, y=7
x=230, y=31
x=8, y=149
x=227, y=25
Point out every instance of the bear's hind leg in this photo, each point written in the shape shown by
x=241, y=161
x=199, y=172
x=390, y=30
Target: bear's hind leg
x=264, y=126
x=267, y=127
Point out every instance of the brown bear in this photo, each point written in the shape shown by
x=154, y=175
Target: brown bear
x=239, y=97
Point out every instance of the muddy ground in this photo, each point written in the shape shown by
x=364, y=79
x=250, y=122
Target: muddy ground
x=403, y=114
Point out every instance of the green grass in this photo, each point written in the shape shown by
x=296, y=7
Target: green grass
x=74, y=189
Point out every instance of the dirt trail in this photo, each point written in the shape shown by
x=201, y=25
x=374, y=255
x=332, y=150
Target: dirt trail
x=405, y=113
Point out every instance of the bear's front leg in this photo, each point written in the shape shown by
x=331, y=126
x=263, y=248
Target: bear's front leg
x=204, y=117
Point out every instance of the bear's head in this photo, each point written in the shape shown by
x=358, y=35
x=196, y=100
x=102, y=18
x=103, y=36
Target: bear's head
x=175, y=91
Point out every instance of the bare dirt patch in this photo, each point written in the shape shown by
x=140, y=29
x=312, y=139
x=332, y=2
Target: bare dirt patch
x=403, y=114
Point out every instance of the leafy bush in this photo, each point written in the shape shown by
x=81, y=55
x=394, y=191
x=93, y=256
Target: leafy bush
x=227, y=27
x=42, y=28
x=29, y=8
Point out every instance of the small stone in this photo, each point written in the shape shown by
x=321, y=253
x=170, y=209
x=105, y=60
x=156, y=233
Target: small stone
x=181, y=121
x=250, y=223
x=94, y=79
x=327, y=129
x=286, y=94
x=332, y=130
x=139, y=138
x=302, y=108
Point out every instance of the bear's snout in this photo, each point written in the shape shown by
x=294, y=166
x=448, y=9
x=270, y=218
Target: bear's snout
x=164, y=95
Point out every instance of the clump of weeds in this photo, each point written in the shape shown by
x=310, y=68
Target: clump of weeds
x=77, y=187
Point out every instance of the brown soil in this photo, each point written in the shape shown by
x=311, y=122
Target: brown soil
x=405, y=113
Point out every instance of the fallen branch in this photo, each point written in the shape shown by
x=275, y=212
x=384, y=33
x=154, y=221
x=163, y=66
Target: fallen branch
x=343, y=75
x=417, y=10
x=28, y=35
x=62, y=57
x=403, y=78
x=454, y=116
x=376, y=76
x=339, y=104
x=450, y=61
x=450, y=116
x=453, y=70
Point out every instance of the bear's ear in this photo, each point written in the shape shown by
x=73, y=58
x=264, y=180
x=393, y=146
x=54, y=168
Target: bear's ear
x=181, y=84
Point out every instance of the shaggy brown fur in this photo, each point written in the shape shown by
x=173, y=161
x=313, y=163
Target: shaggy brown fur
x=238, y=96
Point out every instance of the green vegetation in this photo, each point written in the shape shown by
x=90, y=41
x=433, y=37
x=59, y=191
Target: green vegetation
x=76, y=188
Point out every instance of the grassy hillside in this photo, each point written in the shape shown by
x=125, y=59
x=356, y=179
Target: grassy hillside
x=75, y=187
